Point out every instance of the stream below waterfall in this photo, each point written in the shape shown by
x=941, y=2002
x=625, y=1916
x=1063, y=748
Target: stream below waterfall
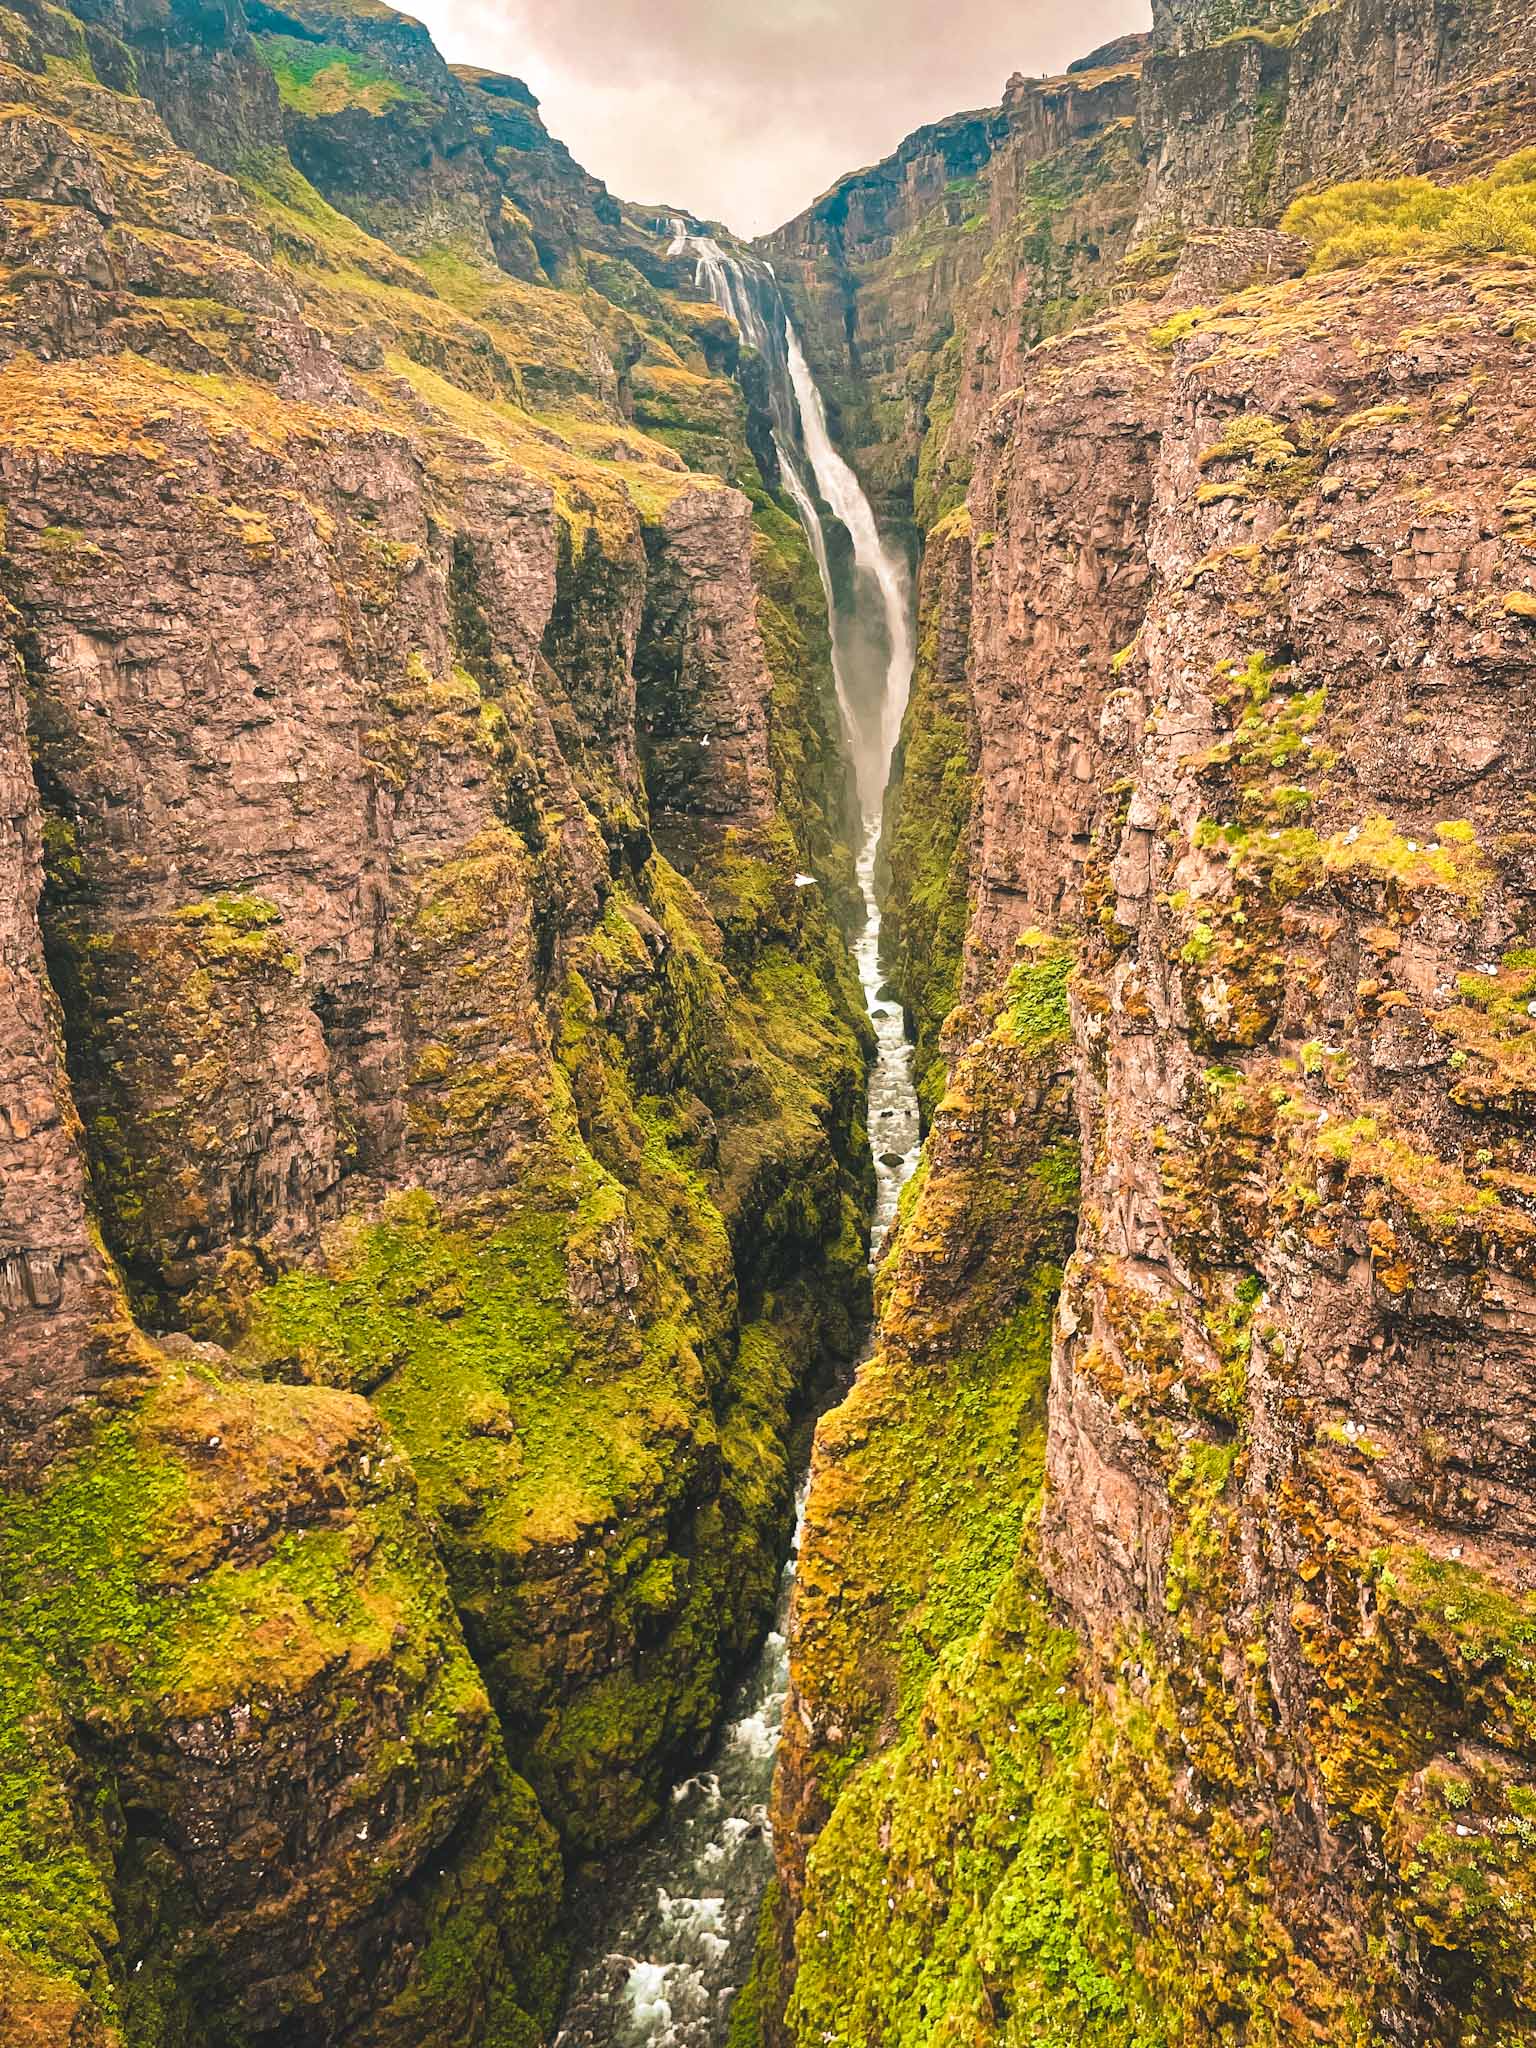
x=671, y=1940
x=668, y=1943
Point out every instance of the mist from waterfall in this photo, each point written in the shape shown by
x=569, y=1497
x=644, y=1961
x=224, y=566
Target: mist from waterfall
x=877, y=726
x=871, y=623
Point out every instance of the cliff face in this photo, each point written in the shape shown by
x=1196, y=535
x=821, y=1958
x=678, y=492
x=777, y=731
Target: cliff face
x=432, y=1144
x=1181, y=1695
x=431, y=1155
x=919, y=284
x=1290, y=1409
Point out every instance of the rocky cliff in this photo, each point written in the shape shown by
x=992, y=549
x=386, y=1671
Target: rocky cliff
x=433, y=1166
x=432, y=1170
x=1161, y=1663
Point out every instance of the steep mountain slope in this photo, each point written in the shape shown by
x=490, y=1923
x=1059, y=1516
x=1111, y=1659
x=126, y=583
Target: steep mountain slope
x=433, y=1183
x=434, y=1167
x=1161, y=1662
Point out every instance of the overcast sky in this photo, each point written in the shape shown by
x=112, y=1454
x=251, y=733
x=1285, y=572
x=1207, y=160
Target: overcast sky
x=746, y=110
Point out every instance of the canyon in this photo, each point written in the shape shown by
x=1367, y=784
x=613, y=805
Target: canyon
x=564, y=781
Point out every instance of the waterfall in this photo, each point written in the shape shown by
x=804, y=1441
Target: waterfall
x=874, y=561
x=669, y=1940
x=873, y=652
x=871, y=626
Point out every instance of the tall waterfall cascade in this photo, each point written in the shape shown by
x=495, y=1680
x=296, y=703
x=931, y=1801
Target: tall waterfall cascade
x=673, y=1942
x=871, y=619
x=873, y=649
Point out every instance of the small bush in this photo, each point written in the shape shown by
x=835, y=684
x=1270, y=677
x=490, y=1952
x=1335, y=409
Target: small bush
x=1408, y=218
x=1171, y=332
x=1277, y=460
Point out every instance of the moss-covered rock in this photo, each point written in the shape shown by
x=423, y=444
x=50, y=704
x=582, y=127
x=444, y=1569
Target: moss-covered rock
x=923, y=1482
x=445, y=828
x=925, y=846
x=229, y=1630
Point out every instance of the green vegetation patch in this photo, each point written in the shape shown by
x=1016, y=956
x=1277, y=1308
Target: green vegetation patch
x=1264, y=458
x=1036, y=1017
x=965, y=1881
x=1411, y=219
x=132, y=1603
x=324, y=78
x=925, y=884
x=470, y=1344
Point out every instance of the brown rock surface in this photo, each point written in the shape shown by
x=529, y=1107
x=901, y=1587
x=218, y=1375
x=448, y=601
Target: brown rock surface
x=1235, y=1747
x=1302, y=1272
x=54, y=1295
x=352, y=714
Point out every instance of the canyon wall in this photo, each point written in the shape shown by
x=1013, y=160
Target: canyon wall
x=1161, y=1661
x=432, y=1169
x=433, y=1164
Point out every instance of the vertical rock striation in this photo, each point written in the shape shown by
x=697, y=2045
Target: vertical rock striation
x=1297, y=1322
x=432, y=1141
x=1222, y=721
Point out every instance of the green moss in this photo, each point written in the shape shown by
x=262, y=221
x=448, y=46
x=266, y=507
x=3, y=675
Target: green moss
x=765, y=1990
x=591, y=1426
x=317, y=79
x=1198, y=1490
x=1268, y=127
x=61, y=852
x=1377, y=850
x=922, y=875
x=227, y=927
x=1035, y=1015
x=1167, y=335
x=1412, y=219
x=813, y=782
x=1266, y=457
x=944, y=465
x=1493, y=1030
x=456, y=1331
x=967, y=1876
x=125, y=1612
x=933, y=1884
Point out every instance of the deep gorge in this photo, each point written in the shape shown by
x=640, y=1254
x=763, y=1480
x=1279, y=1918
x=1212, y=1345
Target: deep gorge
x=458, y=626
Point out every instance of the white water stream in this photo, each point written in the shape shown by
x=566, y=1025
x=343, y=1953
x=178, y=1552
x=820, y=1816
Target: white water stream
x=877, y=725
x=671, y=1942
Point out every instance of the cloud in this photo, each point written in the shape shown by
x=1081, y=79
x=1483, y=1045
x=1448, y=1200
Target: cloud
x=745, y=112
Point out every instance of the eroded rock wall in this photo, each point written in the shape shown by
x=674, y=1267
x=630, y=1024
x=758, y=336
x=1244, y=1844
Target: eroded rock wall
x=1244, y=107
x=920, y=284
x=56, y=1291
x=1233, y=1745
x=1292, y=1387
x=434, y=1164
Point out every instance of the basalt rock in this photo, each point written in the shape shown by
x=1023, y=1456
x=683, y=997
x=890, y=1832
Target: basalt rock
x=433, y=1154
x=1226, y=701
x=1292, y=1383
x=920, y=283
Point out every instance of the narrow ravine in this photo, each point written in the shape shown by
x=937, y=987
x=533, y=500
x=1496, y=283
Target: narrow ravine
x=665, y=1950
x=671, y=1943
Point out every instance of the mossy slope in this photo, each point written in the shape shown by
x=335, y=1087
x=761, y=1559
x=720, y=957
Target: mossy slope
x=228, y=1581
x=455, y=1044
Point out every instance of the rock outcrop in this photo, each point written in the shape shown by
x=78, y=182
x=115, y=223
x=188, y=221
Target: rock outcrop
x=1202, y=1716
x=920, y=284
x=433, y=1163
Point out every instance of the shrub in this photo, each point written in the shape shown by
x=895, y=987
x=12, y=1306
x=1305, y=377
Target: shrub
x=1410, y=217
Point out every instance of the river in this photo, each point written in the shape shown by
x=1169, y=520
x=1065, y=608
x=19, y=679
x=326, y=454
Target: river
x=665, y=1949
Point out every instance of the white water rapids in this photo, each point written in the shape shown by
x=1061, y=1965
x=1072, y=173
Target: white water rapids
x=671, y=1941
